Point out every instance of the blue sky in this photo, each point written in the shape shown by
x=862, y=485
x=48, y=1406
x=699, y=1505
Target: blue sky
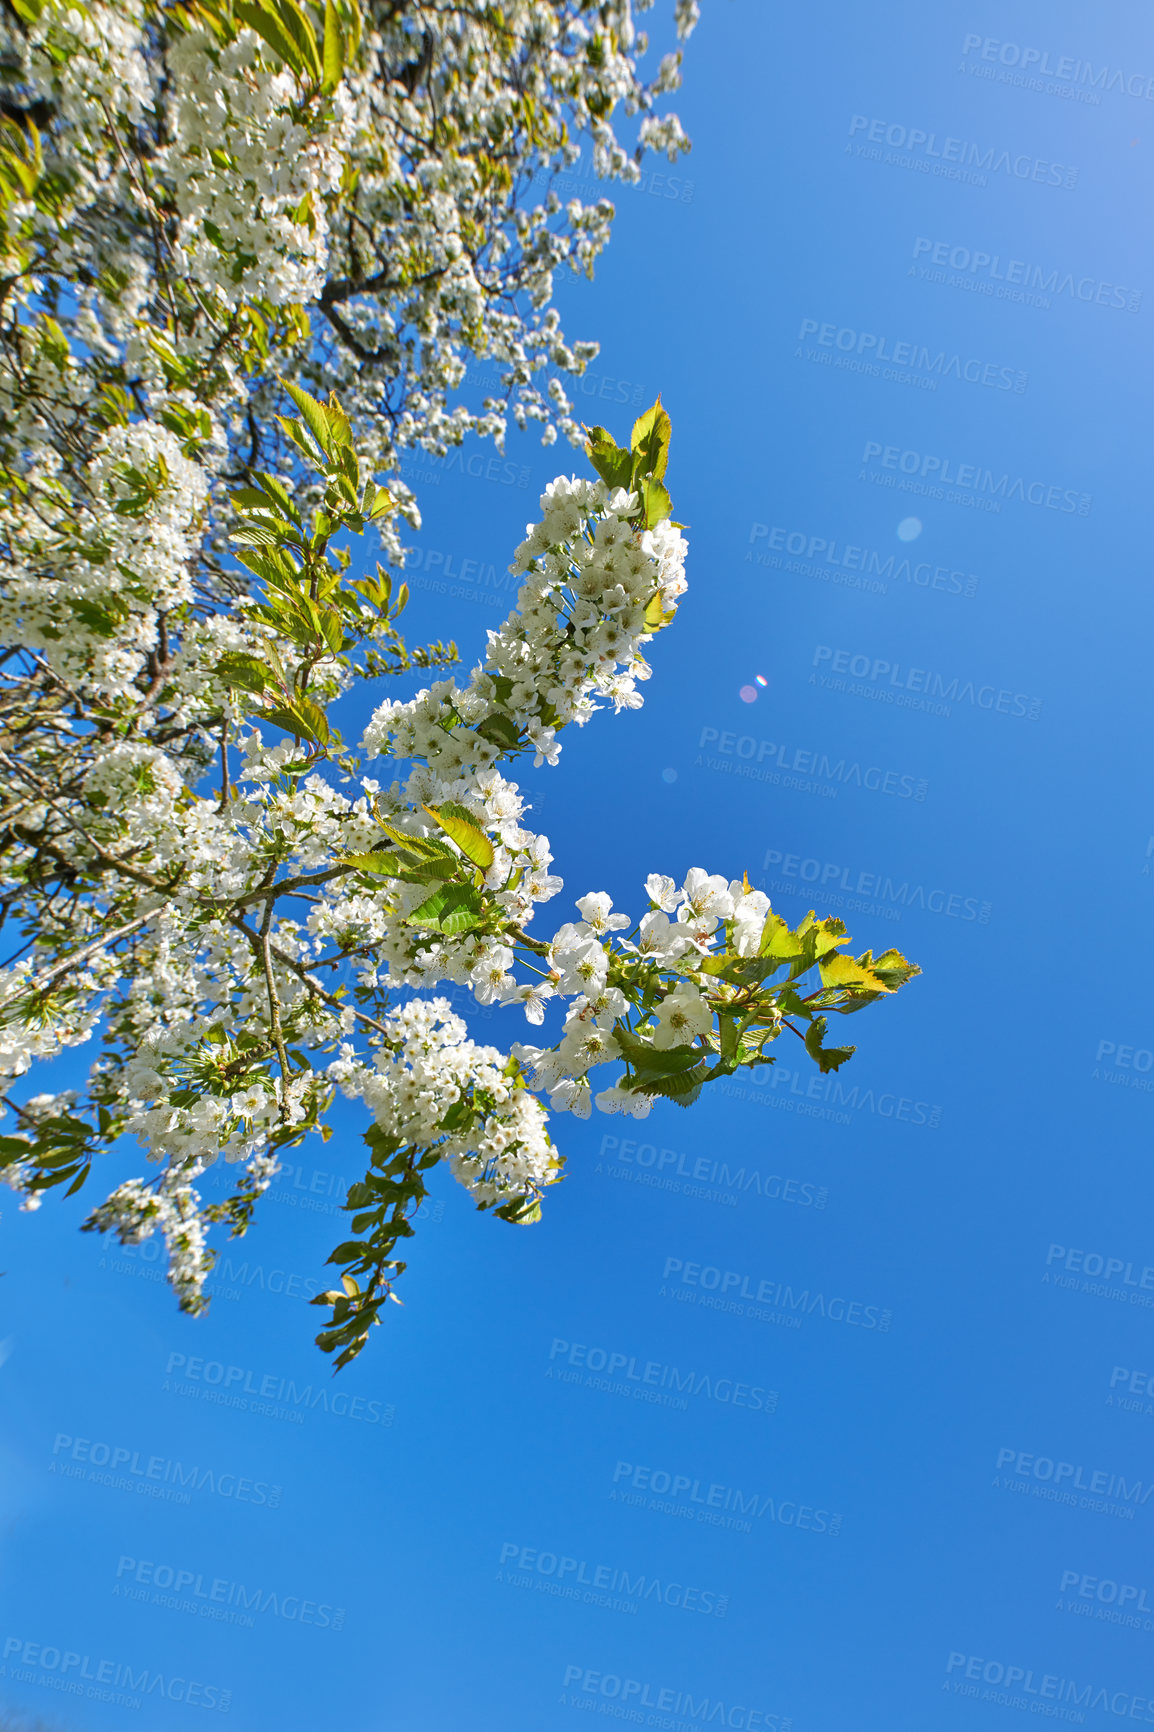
x=898, y=303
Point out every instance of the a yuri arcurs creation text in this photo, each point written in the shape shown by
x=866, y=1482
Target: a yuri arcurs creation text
x=240, y=910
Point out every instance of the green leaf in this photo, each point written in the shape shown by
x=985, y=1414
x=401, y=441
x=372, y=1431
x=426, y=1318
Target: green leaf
x=728, y=1030
x=101, y=621
x=841, y=970
x=252, y=497
x=746, y=970
x=385, y=865
x=683, y=1089
x=274, y=493
x=655, y=498
x=500, y=731
x=244, y=671
x=891, y=967
x=650, y=441
x=295, y=431
x=417, y=847
x=433, y=871
x=777, y=940
x=348, y=1252
x=341, y=428
x=521, y=1212
x=826, y=935
x=828, y=1057
x=660, y=1061
x=614, y=466
x=353, y=25
x=301, y=717
x=453, y=908
x=283, y=25
x=334, y=53
x=656, y=613
x=315, y=414
x=458, y=825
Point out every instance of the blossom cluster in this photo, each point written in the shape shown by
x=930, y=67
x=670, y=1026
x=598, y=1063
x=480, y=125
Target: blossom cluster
x=427, y=1067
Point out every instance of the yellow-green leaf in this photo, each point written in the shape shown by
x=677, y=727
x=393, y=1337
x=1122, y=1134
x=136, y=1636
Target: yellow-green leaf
x=778, y=940
x=287, y=30
x=657, y=615
x=315, y=415
x=334, y=52
x=843, y=971
x=650, y=441
x=460, y=828
x=385, y=865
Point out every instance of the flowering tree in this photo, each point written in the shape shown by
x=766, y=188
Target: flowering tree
x=199, y=202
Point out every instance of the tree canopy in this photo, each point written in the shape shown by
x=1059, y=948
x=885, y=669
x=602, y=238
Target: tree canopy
x=249, y=251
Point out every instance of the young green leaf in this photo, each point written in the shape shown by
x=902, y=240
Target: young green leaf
x=315, y=414
x=522, y=1212
x=453, y=908
x=287, y=32
x=384, y=865
x=334, y=49
x=650, y=441
x=614, y=466
x=500, y=731
x=244, y=671
x=655, y=498
x=827, y=1057
x=458, y=825
x=301, y=717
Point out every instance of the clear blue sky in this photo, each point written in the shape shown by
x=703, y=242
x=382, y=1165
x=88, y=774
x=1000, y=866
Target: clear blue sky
x=899, y=303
